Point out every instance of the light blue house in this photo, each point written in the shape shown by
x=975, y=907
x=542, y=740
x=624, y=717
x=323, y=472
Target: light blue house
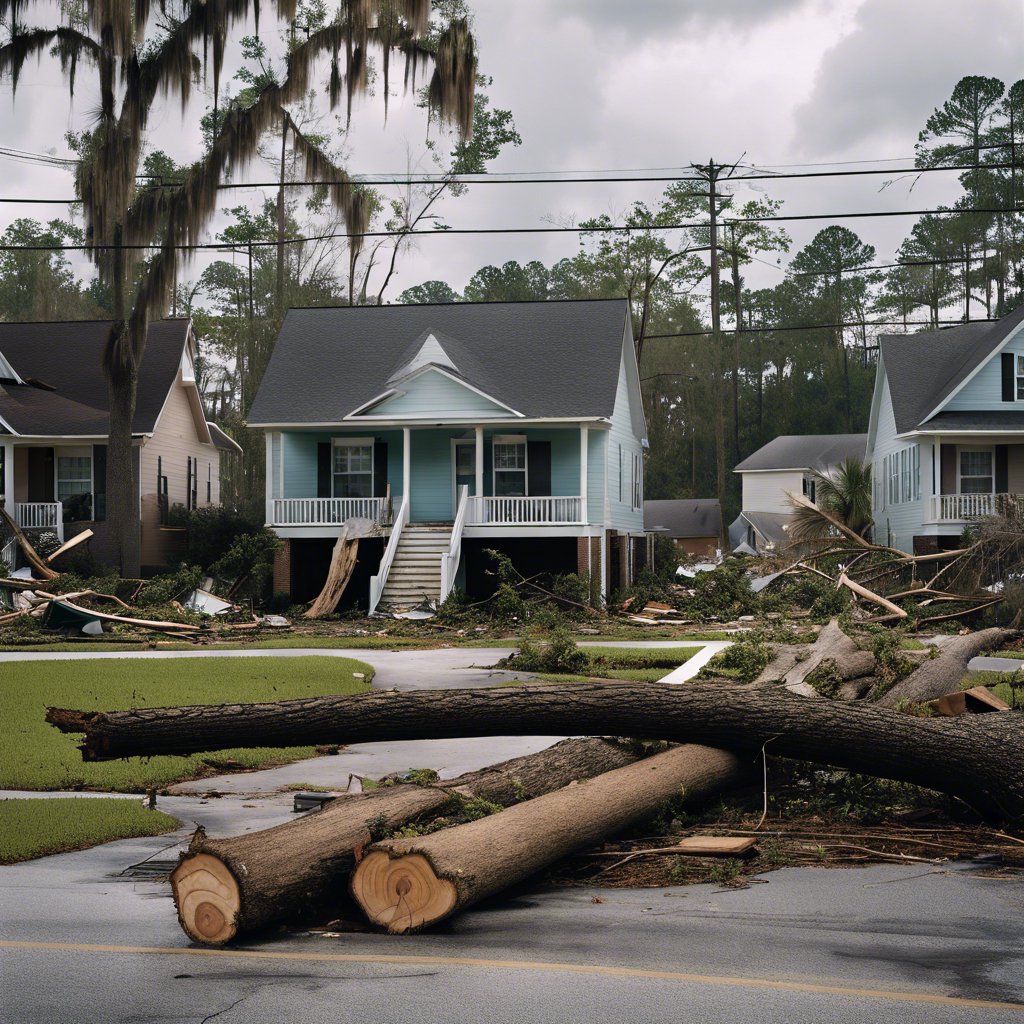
x=456, y=428
x=946, y=436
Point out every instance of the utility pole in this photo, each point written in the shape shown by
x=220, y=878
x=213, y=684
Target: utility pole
x=712, y=172
x=280, y=216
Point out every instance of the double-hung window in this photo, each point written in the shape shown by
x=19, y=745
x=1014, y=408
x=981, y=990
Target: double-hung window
x=509, y=454
x=352, y=469
x=74, y=486
x=1020, y=377
x=976, y=472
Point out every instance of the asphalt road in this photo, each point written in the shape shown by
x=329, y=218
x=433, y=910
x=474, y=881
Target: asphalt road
x=85, y=941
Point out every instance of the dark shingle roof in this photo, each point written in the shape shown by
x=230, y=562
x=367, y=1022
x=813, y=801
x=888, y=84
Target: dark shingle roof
x=222, y=440
x=806, y=451
x=684, y=517
x=540, y=358
x=1009, y=420
x=924, y=369
x=68, y=357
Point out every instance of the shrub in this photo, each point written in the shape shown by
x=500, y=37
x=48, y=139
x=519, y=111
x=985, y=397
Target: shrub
x=725, y=591
x=250, y=559
x=558, y=655
x=169, y=586
x=744, y=661
x=212, y=530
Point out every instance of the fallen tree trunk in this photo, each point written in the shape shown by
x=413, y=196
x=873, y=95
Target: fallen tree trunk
x=407, y=884
x=833, y=648
x=223, y=887
x=943, y=674
x=39, y=567
x=977, y=759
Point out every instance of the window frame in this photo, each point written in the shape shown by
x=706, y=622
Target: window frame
x=1019, y=375
x=347, y=443
x=510, y=440
x=963, y=450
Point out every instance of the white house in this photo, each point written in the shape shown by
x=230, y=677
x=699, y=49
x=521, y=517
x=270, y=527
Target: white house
x=457, y=428
x=791, y=464
x=946, y=436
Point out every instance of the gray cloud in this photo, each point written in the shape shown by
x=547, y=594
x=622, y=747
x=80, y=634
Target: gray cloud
x=876, y=87
x=656, y=17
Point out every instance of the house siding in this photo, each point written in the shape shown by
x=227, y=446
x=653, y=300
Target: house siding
x=897, y=524
x=622, y=445
x=174, y=441
x=434, y=394
x=983, y=393
x=767, y=491
x=597, y=446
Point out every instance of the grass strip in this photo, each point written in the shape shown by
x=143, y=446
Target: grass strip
x=36, y=828
x=36, y=756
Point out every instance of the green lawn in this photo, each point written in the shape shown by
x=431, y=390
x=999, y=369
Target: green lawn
x=36, y=828
x=36, y=756
x=996, y=682
x=636, y=664
x=375, y=643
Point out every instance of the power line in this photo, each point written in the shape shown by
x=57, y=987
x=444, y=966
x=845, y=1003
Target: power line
x=819, y=327
x=603, y=229
x=495, y=179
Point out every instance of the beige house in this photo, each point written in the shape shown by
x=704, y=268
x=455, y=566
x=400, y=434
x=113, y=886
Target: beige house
x=53, y=427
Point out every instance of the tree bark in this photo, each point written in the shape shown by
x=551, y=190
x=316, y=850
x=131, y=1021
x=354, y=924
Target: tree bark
x=978, y=758
x=832, y=646
x=39, y=566
x=122, y=476
x=943, y=674
x=224, y=887
x=343, y=563
x=407, y=884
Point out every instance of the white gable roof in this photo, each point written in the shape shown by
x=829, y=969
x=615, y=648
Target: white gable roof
x=431, y=352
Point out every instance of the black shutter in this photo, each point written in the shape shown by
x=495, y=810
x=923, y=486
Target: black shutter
x=380, y=468
x=538, y=466
x=99, y=482
x=1002, y=468
x=1009, y=388
x=323, y=469
x=947, y=458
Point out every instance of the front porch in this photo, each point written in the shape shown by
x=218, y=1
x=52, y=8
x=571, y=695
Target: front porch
x=537, y=478
x=972, y=477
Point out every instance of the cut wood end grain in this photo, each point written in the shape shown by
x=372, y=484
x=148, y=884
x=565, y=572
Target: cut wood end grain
x=401, y=894
x=207, y=897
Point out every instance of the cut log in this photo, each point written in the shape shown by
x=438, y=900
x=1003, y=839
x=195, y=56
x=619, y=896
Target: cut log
x=980, y=759
x=407, y=884
x=39, y=567
x=343, y=563
x=942, y=675
x=223, y=887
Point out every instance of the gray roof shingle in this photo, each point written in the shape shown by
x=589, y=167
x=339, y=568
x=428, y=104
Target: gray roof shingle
x=684, y=517
x=67, y=357
x=924, y=369
x=543, y=359
x=805, y=451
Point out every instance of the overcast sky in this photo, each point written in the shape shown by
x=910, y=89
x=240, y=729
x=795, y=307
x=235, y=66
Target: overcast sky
x=603, y=85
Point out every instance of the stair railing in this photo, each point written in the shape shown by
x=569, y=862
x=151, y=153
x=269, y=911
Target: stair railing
x=451, y=558
x=377, y=582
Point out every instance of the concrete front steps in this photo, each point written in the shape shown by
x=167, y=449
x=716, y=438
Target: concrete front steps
x=415, y=573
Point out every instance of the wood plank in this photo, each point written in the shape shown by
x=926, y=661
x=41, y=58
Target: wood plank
x=723, y=846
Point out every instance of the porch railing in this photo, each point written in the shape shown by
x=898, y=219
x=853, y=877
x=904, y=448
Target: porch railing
x=324, y=511
x=527, y=511
x=961, y=507
x=377, y=582
x=451, y=558
x=41, y=515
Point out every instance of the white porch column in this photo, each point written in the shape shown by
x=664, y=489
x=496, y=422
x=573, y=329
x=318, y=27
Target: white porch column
x=406, y=465
x=479, y=432
x=584, y=448
x=270, y=488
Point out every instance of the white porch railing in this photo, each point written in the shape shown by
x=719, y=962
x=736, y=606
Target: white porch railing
x=451, y=558
x=526, y=511
x=961, y=507
x=324, y=511
x=41, y=515
x=377, y=582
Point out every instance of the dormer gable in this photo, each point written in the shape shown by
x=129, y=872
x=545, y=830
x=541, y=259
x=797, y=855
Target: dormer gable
x=430, y=353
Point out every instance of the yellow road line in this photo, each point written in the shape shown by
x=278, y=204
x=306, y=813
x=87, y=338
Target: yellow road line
x=601, y=970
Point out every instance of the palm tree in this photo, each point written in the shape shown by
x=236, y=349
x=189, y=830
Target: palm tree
x=136, y=235
x=842, y=494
